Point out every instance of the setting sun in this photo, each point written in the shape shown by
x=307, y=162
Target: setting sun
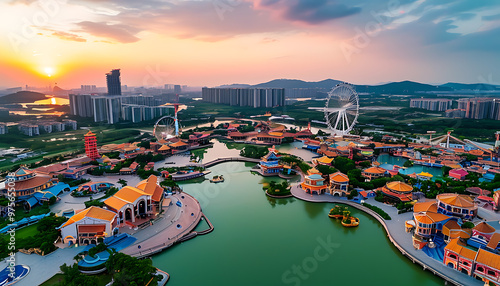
x=49, y=71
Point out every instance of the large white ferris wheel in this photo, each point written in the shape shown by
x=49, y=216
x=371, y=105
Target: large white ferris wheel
x=166, y=127
x=341, y=109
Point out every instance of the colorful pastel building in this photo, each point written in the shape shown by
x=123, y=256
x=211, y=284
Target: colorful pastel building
x=481, y=264
x=457, y=205
x=459, y=257
x=427, y=223
x=339, y=184
x=269, y=164
x=314, y=183
x=324, y=161
x=482, y=234
x=374, y=172
x=91, y=146
x=424, y=176
x=458, y=174
x=25, y=183
x=87, y=226
x=396, y=192
x=141, y=201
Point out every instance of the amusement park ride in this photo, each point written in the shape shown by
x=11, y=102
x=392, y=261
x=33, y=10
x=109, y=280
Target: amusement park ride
x=168, y=127
x=492, y=151
x=341, y=109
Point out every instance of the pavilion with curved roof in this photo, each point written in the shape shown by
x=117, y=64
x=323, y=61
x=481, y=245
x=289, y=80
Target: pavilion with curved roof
x=314, y=183
x=397, y=191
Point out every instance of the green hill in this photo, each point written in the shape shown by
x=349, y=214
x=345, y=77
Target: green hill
x=22, y=97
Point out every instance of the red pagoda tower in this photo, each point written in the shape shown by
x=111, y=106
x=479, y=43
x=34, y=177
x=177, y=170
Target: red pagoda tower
x=91, y=146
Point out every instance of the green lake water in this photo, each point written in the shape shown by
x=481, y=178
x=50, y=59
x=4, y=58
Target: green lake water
x=260, y=241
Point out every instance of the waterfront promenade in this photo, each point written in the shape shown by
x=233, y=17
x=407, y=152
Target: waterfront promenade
x=396, y=233
x=175, y=223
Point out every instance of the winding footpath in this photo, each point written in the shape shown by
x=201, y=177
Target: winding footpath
x=397, y=236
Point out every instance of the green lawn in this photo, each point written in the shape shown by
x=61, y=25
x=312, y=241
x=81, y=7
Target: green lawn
x=57, y=279
x=27, y=231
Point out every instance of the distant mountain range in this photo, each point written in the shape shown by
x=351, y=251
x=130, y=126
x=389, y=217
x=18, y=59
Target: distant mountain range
x=403, y=87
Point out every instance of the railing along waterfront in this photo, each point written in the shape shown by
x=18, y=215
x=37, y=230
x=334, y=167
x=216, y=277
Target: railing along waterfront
x=398, y=246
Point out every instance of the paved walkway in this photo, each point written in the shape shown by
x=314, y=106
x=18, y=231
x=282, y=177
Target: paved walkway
x=397, y=231
x=164, y=232
x=43, y=267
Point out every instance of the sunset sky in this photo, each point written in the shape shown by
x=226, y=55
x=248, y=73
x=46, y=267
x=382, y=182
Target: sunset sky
x=213, y=42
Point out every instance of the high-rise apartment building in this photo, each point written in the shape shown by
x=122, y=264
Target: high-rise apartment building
x=480, y=107
x=113, y=82
x=255, y=97
x=81, y=105
x=107, y=108
x=433, y=104
x=177, y=88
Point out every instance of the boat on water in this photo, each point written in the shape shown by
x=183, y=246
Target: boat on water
x=217, y=179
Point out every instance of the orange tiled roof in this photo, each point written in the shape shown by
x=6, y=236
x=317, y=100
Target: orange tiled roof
x=476, y=152
x=115, y=203
x=437, y=217
x=278, y=134
x=494, y=240
x=329, y=153
x=129, y=194
x=461, y=250
x=489, y=259
x=93, y=212
x=451, y=224
x=406, y=197
x=178, y=144
x=457, y=200
x=484, y=228
x=430, y=217
x=52, y=168
x=37, y=181
x=430, y=206
x=399, y=187
x=375, y=170
x=89, y=134
x=313, y=171
x=453, y=230
x=151, y=188
x=339, y=177
x=325, y=160
x=164, y=148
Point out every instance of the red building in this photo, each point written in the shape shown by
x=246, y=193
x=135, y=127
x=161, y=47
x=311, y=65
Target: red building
x=91, y=146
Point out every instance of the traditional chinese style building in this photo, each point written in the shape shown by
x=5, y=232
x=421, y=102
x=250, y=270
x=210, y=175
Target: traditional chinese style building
x=374, y=172
x=396, y=192
x=314, y=183
x=324, y=161
x=269, y=164
x=458, y=174
x=179, y=146
x=339, y=184
x=91, y=146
